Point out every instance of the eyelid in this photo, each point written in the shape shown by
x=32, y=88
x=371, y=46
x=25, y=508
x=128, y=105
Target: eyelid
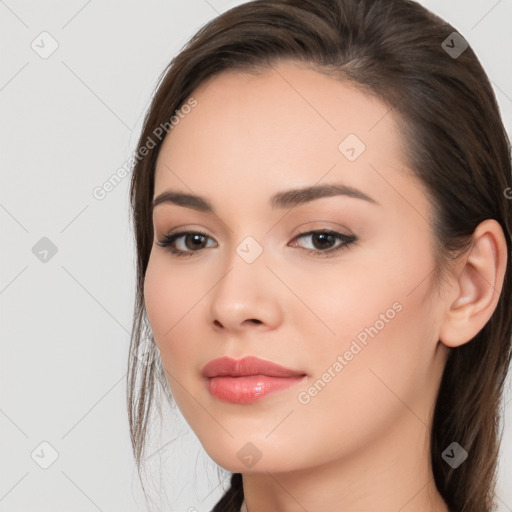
x=322, y=225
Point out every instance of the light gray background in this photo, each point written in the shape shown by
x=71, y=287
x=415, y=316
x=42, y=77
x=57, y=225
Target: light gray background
x=68, y=122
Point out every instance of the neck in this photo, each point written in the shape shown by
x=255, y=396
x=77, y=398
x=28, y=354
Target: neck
x=391, y=474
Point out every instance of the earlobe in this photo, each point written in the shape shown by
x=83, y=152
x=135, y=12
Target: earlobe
x=477, y=285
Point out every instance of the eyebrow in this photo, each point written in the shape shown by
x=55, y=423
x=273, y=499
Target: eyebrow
x=285, y=199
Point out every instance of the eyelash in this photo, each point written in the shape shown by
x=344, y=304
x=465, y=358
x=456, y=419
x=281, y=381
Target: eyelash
x=167, y=240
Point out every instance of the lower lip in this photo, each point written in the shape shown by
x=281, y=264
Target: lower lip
x=246, y=390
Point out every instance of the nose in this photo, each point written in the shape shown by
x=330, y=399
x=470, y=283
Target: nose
x=249, y=320
x=246, y=297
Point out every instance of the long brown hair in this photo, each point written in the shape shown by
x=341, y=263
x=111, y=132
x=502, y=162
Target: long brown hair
x=456, y=145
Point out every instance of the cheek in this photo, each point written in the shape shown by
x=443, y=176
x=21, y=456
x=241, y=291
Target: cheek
x=384, y=379
x=162, y=297
x=349, y=298
x=156, y=295
x=172, y=301
x=384, y=329
x=165, y=295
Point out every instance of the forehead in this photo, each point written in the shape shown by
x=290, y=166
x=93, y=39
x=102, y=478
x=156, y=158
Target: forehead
x=288, y=125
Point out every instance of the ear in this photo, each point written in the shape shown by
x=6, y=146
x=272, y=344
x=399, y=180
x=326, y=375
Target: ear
x=476, y=285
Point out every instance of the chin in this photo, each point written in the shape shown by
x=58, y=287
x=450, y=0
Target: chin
x=249, y=459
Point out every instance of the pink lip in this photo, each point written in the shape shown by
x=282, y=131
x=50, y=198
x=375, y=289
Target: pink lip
x=247, y=380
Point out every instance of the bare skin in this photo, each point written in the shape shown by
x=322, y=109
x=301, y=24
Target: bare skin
x=361, y=443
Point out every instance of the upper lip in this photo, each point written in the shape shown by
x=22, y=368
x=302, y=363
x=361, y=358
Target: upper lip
x=250, y=365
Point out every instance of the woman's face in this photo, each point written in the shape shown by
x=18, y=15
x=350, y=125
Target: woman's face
x=350, y=312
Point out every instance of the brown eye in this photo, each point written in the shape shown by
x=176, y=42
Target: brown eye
x=184, y=243
x=324, y=241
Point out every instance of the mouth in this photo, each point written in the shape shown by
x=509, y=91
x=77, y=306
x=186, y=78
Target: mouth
x=248, y=380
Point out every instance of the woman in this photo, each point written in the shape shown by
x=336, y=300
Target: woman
x=323, y=233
